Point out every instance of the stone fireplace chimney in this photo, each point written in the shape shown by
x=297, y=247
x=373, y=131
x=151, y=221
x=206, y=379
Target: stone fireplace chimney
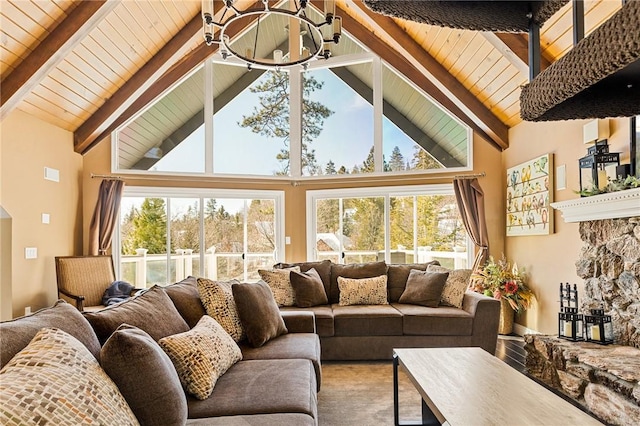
x=609, y=261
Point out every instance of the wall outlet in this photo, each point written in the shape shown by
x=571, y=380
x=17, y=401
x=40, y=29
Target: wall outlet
x=31, y=253
x=52, y=174
x=46, y=218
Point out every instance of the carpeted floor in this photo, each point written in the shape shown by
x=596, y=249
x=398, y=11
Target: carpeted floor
x=361, y=393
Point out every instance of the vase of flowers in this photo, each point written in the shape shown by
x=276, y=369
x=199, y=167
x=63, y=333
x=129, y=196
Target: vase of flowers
x=506, y=283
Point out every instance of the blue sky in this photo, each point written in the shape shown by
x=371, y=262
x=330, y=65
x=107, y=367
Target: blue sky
x=346, y=138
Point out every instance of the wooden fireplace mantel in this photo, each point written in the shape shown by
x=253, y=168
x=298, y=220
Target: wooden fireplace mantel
x=612, y=205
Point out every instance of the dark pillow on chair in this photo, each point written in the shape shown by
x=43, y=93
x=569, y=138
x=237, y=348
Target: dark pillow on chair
x=424, y=288
x=152, y=311
x=308, y=288
x=258, y=312
x=145, y=376
x=16, y=334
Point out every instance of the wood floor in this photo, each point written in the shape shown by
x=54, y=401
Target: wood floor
x=510, y=349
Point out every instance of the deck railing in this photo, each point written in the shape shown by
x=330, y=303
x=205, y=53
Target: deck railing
x=144, y=270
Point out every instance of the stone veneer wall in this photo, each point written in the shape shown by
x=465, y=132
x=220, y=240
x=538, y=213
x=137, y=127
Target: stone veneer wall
x=609, y=263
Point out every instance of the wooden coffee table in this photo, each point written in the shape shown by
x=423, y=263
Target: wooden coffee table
x=468, y=386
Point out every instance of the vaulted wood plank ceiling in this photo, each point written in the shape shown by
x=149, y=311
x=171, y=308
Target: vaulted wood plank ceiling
x=88, y=66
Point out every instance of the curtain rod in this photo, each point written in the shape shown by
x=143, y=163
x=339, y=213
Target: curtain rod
x=294, y=182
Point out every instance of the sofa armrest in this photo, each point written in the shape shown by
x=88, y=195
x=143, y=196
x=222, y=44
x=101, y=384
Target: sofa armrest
x=299, y=321
x=486, y=317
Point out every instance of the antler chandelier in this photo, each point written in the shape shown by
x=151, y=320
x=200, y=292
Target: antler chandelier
x=288, y=36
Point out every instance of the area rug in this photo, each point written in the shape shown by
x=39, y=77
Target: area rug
x=361, y=393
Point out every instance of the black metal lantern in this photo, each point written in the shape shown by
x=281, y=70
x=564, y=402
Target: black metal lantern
x=599, y=327
x=570, y=322
x=598, y=167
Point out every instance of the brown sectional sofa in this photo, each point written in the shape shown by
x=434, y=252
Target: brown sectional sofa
x=244, y=395
x=370, y=332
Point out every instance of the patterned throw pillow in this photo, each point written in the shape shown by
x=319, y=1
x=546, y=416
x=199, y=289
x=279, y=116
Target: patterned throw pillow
x=363, y=291
x=455, y=287
x=201, y=355
x=279, y=281
x=217, y=299
x=55, y=380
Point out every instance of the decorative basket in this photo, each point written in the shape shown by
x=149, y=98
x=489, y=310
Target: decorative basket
x=506, y=317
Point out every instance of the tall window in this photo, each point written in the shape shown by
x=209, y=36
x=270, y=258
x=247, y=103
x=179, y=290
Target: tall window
x=396, y=224
x=167, y=234
x=351, y=114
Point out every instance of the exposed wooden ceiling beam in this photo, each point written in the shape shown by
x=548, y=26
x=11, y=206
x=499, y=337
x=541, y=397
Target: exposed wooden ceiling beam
x=166, y=80
x=86, y=135
x=84, y=16
x=451, y=90
x=518, y=45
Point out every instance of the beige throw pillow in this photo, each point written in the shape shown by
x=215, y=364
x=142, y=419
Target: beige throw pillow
x=55, y=380
x=218, y=301
x=279, y=281
x=201, y=355
x=455, y=287
x=363, y=291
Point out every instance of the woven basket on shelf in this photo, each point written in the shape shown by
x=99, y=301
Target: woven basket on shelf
x=506, y=317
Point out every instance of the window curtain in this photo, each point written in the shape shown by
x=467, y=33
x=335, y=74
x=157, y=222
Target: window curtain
x=104, y=217
x=470, y=199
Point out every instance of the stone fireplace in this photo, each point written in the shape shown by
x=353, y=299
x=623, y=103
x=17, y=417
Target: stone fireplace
x=603, y=379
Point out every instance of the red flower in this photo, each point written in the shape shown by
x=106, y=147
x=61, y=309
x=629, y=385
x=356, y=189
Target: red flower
x=510, y=287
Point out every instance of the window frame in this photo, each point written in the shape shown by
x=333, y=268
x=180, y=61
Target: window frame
x=379, y=191
x=203, y=194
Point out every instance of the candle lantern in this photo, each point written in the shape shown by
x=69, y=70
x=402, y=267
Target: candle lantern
x=599, y=327
x=598, y=167
x=570, y=322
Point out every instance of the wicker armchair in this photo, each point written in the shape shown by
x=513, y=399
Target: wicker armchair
x=83, y=279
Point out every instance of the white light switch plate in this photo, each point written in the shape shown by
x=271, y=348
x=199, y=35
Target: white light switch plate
x=287, y=240
x=561, y=177
x=46, y=218
x=31, y=253
x=52, y=174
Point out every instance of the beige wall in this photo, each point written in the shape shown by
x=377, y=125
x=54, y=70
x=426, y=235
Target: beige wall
x=29, y=145
x=550, y=260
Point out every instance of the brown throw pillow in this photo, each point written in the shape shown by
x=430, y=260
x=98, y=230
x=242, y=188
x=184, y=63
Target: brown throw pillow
x=145, y=376
x=152, y=311
x=184, y=294
x=424, y=288
x=258, y=312
x=308, y=289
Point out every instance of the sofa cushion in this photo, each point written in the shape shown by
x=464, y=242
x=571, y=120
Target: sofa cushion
x=249, y=387
x=16, y=334
x=152, y=311
x=217, y=298
x=201, y=355
x=145, y=376
x=56, y=380
x=276, y=419
x=323, y=317
x=308, y=288
x=455, y=287
x=279, y=282
x=442, y=321
x=184, y=294
x=258, y=312
x=363, y=291
x=424, y=288
x=397, y=274
x=323, y=267
x=289, y=346
x=367, y=320
x=353, y=270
